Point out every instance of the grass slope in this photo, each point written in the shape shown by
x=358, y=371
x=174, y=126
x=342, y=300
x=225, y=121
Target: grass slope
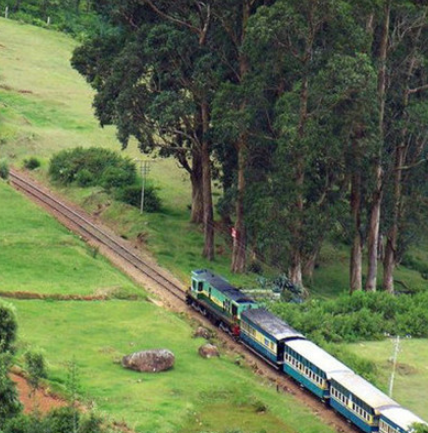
x=411, y=379
x=197, y=395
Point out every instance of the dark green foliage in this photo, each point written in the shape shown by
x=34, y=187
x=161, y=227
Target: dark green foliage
x=9, y=402
x=31, y=163
x=132, y=195
x=36, y=367
x=63, y=420
x=75, y=17
x=84, y=178
x=92, y=166
x=4, y=170
x=8, y=327
x=362, y=316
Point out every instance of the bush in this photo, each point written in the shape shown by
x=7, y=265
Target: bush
x=9, y=402
x=8, y=327
x=84, y=178
x=36, y=367
x=31, y=163
x=92, y=166
x=4, y=169
x=132, y=195
x=64, y=420
x=362, y=316
x=117, y=177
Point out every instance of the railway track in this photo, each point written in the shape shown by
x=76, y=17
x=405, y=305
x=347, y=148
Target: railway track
x=89, y=230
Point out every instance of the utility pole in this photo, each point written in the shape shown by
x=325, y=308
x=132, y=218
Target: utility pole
x=145, y=169
x=394, y=364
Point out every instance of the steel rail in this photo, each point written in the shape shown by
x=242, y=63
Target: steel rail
x=85, y=225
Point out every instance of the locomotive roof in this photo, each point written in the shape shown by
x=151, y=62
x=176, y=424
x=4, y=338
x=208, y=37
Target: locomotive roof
x=222, y=285
x=401, y=417
x=364, y=390
x=317, y=356
x=271, y=324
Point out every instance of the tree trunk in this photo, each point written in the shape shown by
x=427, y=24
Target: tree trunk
x=239, y=242
x=373, y=235
x=208, y=251
x=356, y=276
x=310, y=262
x=295, y=269
x=400, y=157
x=197, y=212
x=17, y=6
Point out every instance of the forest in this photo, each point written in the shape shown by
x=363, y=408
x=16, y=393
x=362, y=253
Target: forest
x=309, y=116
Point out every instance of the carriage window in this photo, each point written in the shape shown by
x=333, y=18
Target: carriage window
x=200, y=286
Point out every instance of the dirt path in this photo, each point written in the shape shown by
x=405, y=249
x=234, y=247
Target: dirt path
x=43, y=401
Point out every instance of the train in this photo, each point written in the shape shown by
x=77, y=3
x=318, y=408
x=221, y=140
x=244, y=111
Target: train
x=291, y=353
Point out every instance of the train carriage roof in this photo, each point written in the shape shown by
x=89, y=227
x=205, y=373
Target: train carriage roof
x=401, y=417
x=364, y=390
x=273, y=325
x=222, y=286
x=317, y=356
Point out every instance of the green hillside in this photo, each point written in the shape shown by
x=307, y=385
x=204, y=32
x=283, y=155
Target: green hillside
x=45, y=106
x=38, y=255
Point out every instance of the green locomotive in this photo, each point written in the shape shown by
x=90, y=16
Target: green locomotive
x=218, y=300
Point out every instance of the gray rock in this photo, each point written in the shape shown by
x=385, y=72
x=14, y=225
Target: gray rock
x=149, y=360
x=203, y=332
x=208, y=351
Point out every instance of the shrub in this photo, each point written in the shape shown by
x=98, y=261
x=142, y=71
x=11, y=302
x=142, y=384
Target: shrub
x=36, y=367
x=362, y=316
x=132, y=196
x=9, y=402
x=92, y=166
x=117, y=177
x=84, y=178
x=31, y=163
x=4, y=169
x=8, y=327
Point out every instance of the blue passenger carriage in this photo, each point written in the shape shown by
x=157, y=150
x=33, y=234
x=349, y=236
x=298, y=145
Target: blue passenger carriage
x=311, y=366
x=266, y=334
x=358, y=400
x=397, y=420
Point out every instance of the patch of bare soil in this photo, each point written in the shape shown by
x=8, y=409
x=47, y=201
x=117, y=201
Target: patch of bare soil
x=43, y=401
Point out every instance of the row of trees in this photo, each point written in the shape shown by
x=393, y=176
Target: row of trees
x=311, y=114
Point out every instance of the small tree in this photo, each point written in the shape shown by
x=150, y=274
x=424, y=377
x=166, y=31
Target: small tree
x=9, y=402
x=8, y=327
x=4, y=169
x=36, y=368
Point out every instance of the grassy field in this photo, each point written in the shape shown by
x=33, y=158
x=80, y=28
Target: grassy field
x=197, y=395
x=39, y=255
x=411, y=379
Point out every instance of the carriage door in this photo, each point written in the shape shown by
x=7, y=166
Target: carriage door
x=280, y=351
x=234, y=310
